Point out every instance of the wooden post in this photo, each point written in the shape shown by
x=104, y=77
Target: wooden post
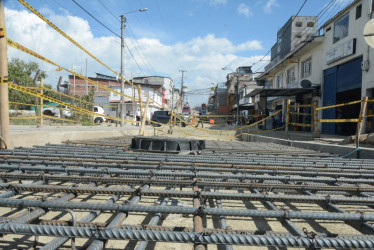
x=170, y=131
x=361, y=120
x=316, y=133
x=144, y=117
x=288, y=114
x=4, y=101
x=117, y=108
x=140, y=100
x=36, y=99
x=41, y=101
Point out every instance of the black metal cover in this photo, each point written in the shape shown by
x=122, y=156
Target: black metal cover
x=166, y=144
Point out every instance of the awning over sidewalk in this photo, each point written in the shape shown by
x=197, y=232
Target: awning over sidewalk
x=247, y=106
x=282, y=92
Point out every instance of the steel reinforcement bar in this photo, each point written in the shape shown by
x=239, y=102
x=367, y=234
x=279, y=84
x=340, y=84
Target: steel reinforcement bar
x=354, y=178
x=354, y=242
x=192, y=194
x=236, y=168
x=24, y=203
x=357, y=189
x=222, y=159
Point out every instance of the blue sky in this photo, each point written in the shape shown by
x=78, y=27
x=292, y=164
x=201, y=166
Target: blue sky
x=199, y=36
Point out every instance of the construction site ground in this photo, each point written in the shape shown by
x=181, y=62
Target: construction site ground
x=265, y=148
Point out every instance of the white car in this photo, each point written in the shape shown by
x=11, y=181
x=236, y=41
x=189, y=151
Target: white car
x=99, y=110
x=51, y=111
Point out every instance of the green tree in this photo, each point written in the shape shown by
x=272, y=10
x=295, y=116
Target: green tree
x=22, y=73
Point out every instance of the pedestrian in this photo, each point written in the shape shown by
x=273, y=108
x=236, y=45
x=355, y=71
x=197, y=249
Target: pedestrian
x=277, y=119
x=259, y=118
x=138, y=115
x=200, y=120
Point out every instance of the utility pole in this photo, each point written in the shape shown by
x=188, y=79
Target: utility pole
x=123, y=20
x=182, y=88
x=4, y=101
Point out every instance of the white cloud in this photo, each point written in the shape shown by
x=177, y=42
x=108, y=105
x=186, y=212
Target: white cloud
x=202, y=57
x=270, y=4
x=244, y=10
x=217, y=2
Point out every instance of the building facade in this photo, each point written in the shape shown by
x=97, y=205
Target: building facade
x=331, y=67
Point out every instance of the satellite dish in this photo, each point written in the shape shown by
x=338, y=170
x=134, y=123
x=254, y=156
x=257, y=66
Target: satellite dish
x=369, y=33
x=305, y=84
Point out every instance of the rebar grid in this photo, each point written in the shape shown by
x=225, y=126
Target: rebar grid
x=282, y=175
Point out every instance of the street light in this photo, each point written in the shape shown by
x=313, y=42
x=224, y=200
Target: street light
x=236, y=90
x=123, y=21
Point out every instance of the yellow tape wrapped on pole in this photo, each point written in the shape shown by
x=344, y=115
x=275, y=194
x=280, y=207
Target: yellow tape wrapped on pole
x=24, y=3
x=144, y=118
x=4, y=100
x=361, y=120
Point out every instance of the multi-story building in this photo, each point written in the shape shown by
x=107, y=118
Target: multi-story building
x=331, y=67
x=347, y=65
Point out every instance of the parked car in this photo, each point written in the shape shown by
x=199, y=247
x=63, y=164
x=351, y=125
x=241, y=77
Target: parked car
x=163, y=117
x=186, y=110
x=100, y=111
x=55, y=111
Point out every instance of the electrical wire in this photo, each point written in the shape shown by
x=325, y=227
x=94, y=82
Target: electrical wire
x=80, y=6
x=145, y=62
x=110, y=12
x=111, y=32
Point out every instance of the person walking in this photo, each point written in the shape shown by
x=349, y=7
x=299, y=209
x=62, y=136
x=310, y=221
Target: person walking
x=138, y=116
x=200, y=120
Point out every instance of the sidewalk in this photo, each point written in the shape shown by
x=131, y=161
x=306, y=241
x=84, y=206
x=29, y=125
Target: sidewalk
x=28, y=136
x=326, y=143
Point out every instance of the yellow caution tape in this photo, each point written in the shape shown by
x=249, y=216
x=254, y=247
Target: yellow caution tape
x=338, y=120
x=3, y=79
x=25, y=104
x=81, y=110
x=75, y=43
x=301, y=124
x=301, y=106
x=339, y=105
x=2, y=32
x=26, y=50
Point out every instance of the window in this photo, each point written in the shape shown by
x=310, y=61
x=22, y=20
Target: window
x=280, y=81
x=358, y=11
x=298, y=35
x=269, y=84
x=310, y=24
x=341, y=28
x=298, y=24
x=290, y=75
x=306, y=68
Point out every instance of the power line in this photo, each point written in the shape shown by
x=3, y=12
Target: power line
x=110, y=12
x=150, y=68
x=96, y=19
x=111, y=32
